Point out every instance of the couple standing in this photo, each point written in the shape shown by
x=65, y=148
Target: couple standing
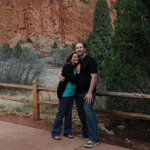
x=80, y=76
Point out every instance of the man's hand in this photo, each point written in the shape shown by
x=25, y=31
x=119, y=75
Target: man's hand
x=89, y=98
x=60, y=77
x=89, y=95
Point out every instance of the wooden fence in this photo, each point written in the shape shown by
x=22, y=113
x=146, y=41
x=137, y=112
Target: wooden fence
x=36, y=102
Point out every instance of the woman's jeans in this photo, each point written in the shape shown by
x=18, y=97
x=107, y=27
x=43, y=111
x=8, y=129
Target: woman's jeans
x=87, y=117
x=64, y=110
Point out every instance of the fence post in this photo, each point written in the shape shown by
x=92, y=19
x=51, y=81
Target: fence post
x=36, y=108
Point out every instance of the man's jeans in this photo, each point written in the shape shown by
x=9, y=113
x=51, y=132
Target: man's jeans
x=87, y=117
x=64, y=110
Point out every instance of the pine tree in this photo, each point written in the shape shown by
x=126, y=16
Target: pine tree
x=131, y=45
x=99, y=41
x=128, y=68
x=55, y=45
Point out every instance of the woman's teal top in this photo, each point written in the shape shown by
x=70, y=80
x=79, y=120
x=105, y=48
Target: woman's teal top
x=70, y=88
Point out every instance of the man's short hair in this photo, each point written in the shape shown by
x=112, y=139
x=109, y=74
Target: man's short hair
x=84, y=45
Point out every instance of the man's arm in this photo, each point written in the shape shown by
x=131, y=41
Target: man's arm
x=89, y=95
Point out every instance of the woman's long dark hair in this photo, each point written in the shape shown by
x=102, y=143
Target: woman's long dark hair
x=68, y=60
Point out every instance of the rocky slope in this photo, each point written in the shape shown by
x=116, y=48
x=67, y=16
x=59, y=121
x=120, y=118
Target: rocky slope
x=46, y=21
x=64, y=21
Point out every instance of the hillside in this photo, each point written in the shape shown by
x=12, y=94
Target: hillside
x=64, y=21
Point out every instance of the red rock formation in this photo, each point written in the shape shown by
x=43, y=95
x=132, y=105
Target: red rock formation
x=46, y=21
x=111, y=4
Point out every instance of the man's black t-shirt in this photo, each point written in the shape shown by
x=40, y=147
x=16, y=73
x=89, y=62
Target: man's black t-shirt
x=88, y=66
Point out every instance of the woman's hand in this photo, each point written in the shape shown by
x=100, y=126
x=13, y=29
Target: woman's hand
x=78, y=68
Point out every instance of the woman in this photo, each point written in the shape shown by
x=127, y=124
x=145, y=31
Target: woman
x=66, y=92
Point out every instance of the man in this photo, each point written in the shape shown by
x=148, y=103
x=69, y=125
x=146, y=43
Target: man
x=86, y=96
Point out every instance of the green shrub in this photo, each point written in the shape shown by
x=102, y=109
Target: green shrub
x=127, y=67
x=99, y=41
x=55, y=45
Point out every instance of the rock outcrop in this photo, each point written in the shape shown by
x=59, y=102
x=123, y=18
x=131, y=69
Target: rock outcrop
x=111, y=4
x=46, y=21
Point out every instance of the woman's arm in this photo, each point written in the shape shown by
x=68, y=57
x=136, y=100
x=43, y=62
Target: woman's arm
x=68, y=73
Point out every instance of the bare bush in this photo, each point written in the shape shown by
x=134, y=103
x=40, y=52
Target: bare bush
x=59, y=56
x=20, y=66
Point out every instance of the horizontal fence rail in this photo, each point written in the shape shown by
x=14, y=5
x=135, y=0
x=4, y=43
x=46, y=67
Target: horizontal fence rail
x=125, y=114
x=13, y=98
x=16, y=86
x=123, y=94
x=36, y=102
x=129, y=115
x=47, y=89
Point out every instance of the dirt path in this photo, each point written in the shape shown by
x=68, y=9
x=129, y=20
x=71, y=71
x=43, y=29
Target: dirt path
x=120, y=139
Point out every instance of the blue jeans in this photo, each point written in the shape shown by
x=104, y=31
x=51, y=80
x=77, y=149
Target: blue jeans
x=87, y=117
x=64, y=110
